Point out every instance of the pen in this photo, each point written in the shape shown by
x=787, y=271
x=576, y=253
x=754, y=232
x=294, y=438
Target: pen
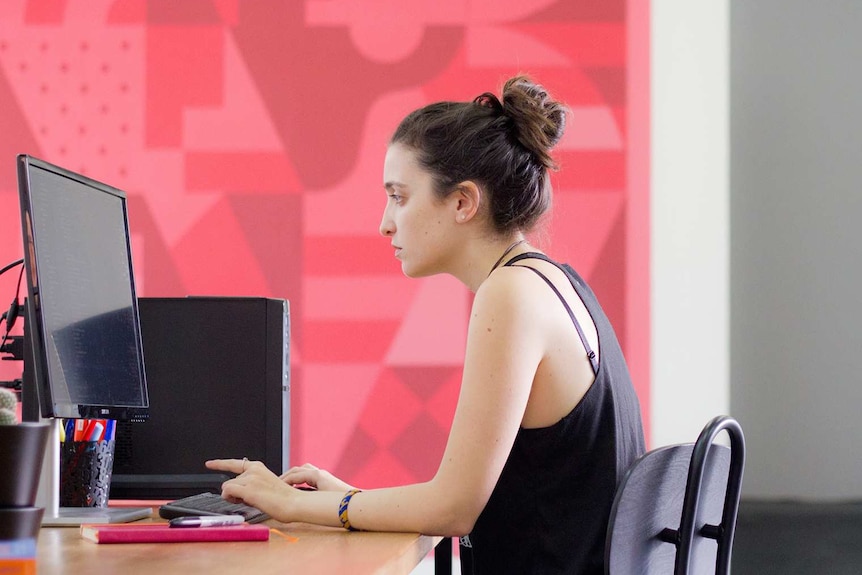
x=109, y=429
x=79, y=429
x=206, y=521
x=88, y=429
x=96, y=432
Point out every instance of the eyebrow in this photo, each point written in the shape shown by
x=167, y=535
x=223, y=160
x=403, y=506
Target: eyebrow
x=393, y=185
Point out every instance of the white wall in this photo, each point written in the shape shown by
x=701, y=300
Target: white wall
x=689, y=212
x=756, y=235
x=796, y=274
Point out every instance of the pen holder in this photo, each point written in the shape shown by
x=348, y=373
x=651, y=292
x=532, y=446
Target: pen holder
x=85, y=473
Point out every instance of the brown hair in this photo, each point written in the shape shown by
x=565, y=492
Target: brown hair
x=501, y=144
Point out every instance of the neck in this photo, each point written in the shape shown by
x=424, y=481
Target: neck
x=481, y=258
x=506, y=252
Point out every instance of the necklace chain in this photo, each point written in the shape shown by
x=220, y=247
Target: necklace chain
x=505, y=253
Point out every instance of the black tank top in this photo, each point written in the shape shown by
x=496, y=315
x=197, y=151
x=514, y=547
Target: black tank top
x=549, y=510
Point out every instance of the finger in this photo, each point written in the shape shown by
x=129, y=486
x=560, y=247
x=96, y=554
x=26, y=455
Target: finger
x=233, y=492
x=302, y=469
x=231, y=465
x=297, y=475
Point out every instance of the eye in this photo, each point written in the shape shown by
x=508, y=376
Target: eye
x=396, y=198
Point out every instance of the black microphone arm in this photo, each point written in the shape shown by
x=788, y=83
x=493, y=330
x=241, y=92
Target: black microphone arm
x=10, y=266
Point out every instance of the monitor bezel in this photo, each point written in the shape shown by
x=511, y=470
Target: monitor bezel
x=50, y=406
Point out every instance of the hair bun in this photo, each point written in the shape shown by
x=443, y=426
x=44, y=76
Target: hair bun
x=539, y=120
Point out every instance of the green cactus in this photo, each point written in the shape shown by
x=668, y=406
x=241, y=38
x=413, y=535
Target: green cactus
x=8, y=404
x=7, y=417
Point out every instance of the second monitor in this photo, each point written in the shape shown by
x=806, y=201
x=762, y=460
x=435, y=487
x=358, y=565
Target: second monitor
x=218, y=370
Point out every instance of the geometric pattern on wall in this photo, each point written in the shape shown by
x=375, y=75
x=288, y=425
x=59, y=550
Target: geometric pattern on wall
x=250, y=137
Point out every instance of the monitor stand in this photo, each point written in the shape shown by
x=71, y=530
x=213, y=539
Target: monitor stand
x=48, y=496
x=74, y=516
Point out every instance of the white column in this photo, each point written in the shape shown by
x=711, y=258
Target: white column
x=689, y=217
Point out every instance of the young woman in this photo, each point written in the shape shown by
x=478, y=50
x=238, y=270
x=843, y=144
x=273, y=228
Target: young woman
x=547, y=420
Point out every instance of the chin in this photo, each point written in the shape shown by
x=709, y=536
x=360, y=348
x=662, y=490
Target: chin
x=414, y=272
x=409, y=273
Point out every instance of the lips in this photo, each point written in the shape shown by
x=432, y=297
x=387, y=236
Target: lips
x=397, y=250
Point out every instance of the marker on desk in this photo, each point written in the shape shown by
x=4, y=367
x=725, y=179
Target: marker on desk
x=96, y=432
x=78, y=434
x=207, y=521
x=88, y=430
x=109, y=429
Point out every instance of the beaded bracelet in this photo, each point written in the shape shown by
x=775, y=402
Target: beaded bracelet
x=342, y=509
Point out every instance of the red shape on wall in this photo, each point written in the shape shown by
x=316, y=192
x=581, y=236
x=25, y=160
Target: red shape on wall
x=17, y=136
x=591, y=10
x=187, y=12
x=214, y=258
x=358, y=452
x=256, y=172
x=184, y=68
x=608, y=278
x=420, y=448
x=319, y=88
x=611, y=82
x=585, y=44
x=272, y=225
x=591, y=170
x=350, y=255
x=347, y=341
x=391, y=408
x=127, y=12
x=159, y=272
x=40, y=12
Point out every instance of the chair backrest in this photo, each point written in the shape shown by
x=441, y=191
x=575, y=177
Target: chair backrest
x=675, y=510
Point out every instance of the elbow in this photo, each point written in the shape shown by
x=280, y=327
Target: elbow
x=457, y=520
x=462, y=527
x=454, y=528
x=456, y=510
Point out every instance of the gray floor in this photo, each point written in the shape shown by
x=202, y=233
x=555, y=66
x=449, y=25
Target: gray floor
x=792, y=537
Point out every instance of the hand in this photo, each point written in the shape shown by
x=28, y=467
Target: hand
x=257, y=486
x=317, y=478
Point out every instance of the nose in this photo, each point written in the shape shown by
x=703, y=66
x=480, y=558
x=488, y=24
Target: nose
x=387, y=226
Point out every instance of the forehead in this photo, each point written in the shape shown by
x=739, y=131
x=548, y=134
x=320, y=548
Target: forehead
x=401, y=167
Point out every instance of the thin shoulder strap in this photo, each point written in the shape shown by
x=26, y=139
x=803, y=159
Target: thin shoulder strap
x=536, y=255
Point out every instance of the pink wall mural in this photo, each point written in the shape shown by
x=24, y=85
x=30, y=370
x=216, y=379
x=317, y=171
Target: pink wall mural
x=250, y=136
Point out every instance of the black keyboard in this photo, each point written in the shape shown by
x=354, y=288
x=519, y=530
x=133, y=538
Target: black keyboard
x=210, y=504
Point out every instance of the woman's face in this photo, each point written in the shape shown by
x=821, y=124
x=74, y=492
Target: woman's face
x=416, y=221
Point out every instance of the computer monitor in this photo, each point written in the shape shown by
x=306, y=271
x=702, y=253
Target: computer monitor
x=83, y=330
x=87, y=353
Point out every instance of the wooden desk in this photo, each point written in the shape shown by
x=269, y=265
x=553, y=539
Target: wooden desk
x=322, y=550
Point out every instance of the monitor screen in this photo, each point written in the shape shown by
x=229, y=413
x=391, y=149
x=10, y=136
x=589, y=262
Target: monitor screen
x=83, y=323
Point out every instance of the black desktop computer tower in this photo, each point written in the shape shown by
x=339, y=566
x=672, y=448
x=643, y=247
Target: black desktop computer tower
x=218, y=376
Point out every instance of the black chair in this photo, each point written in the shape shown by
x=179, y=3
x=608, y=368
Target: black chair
x=675, y=510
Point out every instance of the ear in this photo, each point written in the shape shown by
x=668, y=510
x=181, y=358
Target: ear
x=466, y=200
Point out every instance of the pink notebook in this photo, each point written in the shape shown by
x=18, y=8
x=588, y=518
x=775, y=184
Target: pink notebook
x=162, y=533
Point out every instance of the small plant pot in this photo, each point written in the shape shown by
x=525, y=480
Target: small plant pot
x=22, y=448
x=20, y=523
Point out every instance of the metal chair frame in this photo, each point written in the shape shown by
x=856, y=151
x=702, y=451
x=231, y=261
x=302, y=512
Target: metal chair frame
x=683, y=538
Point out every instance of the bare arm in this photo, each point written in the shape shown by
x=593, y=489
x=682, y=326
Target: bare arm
x=504, y=348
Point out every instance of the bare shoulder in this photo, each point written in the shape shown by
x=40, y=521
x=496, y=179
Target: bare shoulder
x=521, y=297
x=510, y=288
x=507, y=283
x=510, y=297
